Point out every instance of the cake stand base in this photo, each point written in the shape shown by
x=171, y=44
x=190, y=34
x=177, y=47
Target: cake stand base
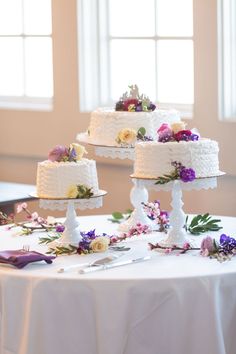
x=72, y=232
x=177, y=235
x=138, y=195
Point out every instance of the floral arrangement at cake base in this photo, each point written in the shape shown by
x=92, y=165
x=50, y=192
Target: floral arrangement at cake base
x=127, y=137
x=179, y=172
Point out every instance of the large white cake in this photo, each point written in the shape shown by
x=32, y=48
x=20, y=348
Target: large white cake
x=106, y=123
x=59, y=178
x=154, y=159
x=120, y=126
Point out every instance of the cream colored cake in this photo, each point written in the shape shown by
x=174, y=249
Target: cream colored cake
x=59, y=176
x=106, y=123
x=153, y=159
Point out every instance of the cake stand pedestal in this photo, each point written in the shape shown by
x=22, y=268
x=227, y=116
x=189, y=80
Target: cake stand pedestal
x=177, y=235
x=72, y=232
x=138, y=194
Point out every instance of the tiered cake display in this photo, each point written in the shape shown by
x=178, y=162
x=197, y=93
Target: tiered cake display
x=67, y=180
x=114, y=133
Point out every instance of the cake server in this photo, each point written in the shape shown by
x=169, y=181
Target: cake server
x=97, y=263
x=113, y=265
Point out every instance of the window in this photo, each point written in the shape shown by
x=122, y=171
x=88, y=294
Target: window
x=26, y=53
x=136, y=41
x=227, y=59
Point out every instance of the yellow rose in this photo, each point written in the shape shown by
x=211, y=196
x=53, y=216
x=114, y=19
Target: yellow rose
x=79, y=149
x=176, y=127
x=100, y=244
x=72, y=191
x=127, y=136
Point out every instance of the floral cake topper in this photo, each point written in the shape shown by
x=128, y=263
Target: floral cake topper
x=132, y=101
x=175, y=132
x=179, y=172
x=61, y=153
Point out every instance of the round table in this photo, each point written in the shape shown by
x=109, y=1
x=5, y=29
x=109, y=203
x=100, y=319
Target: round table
x=171, y=304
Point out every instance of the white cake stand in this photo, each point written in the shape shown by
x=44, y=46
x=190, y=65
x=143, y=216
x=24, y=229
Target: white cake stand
x=138, y=194
x=72, y=232
x=177, y=235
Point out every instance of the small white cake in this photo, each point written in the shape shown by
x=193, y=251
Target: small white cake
x=154, y=159
x=59, y=176
x=121, y=126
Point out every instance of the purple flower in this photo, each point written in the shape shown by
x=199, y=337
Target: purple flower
x=187, y=174
x=60, y=228
x=165, y=136
x=139, y=107
x=151, y=107
x=58, y=153
x=227, y=243
x=72, y=155
x=194, y=137
x=207, y=246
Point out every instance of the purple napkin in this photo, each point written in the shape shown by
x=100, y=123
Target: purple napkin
x=20, y=258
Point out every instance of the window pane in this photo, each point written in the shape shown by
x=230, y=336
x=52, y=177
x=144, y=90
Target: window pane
x=174, y=18
x=37, y=17
x=10, y=17
x=132, y=18
x=175, y=71
x=132, y=62
x=38, y=57
x=11, y=67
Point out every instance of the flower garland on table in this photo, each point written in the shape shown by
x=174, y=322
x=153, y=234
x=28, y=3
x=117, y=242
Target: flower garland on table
x=93, y=243
x=35, y=222
x=223, y=250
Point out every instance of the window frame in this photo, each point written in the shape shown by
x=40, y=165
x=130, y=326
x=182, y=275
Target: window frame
x=25, y=102
x=94, y=59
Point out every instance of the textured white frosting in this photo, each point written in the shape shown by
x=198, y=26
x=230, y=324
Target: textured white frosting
x=153, y=159
x=54, y=178
x=106, y=123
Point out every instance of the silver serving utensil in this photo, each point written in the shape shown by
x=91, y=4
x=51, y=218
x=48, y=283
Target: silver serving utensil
x=97, y=263
x=113, y=265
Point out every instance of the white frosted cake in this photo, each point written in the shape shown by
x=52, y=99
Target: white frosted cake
x=64, y=172
x=182, y=148
x=106, y=123
x=153, y=159
x=121, y=126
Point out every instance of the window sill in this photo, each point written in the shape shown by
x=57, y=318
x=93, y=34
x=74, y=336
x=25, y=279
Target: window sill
x=27, y=104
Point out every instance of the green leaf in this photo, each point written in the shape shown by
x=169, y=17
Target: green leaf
x=202, y=223
x=117, y=215
x=142, y=131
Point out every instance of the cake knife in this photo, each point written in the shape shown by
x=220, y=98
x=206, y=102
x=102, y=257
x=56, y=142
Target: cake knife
x=97, y=263
x=113, y=265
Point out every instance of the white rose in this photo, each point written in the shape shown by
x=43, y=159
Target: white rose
x=178, y=126
x=127, y=136
x=100, y=244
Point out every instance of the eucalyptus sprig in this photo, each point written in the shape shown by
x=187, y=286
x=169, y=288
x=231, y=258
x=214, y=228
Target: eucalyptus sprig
x=47, y=239
x=168, y=177
x=201, y=224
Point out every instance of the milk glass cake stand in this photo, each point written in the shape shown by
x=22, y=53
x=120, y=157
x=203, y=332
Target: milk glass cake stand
x=177, y=235
x=138, y=194
x=72, y=232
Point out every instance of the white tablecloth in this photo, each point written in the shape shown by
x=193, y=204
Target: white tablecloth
x=169, y=305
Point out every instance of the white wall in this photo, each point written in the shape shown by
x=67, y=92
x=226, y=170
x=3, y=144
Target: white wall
x=27, y=136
